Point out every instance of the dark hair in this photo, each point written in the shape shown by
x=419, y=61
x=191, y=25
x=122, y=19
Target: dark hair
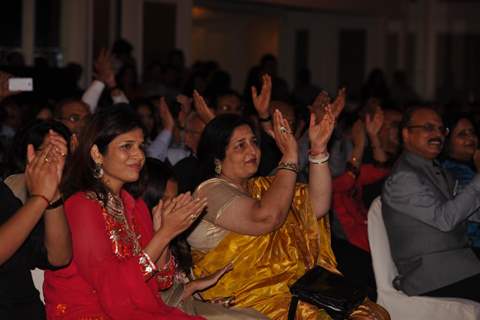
x=225, y=93
x=148, y=103
x=122, y=46
x=33, y=134
x=104, y=126
x=451, y=121
x=214, y=141
x=58, y=109
x=407, y=117
x=156, y=174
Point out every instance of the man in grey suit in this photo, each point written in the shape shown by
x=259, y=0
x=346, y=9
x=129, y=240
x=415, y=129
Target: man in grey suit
x=425, y=219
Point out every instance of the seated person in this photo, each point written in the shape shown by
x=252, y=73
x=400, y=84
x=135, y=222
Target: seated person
x=461, y=144
x=426, y=221
x=350, y=235
x=35, y=234
x=120, y=261
x=268, y=224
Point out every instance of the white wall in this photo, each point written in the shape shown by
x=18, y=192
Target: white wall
x=76, y=34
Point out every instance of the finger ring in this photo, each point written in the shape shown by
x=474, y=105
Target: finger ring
x=193, y=217
x=283, y=129
x=46, y=159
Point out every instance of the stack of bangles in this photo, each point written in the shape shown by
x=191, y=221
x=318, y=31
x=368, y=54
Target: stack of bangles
x=321, y=158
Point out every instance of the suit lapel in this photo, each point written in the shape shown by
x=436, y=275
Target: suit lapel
x=434, y=173
x=440, y=180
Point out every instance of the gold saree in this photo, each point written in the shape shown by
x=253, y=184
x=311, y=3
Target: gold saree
x=265, y=266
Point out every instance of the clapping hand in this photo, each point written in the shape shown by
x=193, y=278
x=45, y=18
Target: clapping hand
x=323, y=100
x=204, y=112
x=284, y=138
x=165, y=115
x=104, y=70
x=176, y=215
x=262, y=101
x=359, y=137
x=320, y=133
x=322, y=119
x=339, y=103
x=43, y=172
x=374, y=123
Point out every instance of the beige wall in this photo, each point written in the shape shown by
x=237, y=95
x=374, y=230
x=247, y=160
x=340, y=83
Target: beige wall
x=234, y=39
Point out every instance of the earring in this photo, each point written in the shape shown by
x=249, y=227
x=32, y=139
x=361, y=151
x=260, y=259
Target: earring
x=218, y=167
x=98, y=171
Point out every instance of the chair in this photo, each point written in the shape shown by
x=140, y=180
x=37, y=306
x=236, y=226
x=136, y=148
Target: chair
x=399, y=305
x=37, y=275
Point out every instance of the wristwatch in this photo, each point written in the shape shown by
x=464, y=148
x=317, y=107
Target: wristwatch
x=55, y=204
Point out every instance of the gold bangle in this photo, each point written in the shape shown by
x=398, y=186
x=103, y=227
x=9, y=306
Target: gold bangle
x=291, y=166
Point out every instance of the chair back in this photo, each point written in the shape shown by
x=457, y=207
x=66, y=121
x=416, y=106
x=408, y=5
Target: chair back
x=383, y=265
x=37, y=276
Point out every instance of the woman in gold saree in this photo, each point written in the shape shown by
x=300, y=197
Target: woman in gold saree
x=271, y=229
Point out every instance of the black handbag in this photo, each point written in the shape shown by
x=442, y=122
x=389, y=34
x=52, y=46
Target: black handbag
x=328, y=291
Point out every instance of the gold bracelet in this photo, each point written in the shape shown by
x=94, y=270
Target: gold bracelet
x=291, y=166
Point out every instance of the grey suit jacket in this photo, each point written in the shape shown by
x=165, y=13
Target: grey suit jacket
x=426, y=225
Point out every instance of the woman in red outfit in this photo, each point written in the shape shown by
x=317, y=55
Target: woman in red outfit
x=347, y=188
x=120, y=261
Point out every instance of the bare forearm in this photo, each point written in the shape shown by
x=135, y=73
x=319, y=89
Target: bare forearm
x=357, y=154
x=14, y=232
x=57, y=237
x=163, y=259
x=157, y=247
x=378, y=153
x=320, y=188
x=276, y=202
x=189, y=289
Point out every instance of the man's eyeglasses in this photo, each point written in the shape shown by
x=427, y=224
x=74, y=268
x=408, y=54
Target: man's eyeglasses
x=430, y=128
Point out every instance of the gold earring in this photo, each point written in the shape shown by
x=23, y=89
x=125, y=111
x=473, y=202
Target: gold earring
x=218, y=167
x=98, y=171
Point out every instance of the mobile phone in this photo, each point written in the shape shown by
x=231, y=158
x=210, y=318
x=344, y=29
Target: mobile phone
x=20, y=84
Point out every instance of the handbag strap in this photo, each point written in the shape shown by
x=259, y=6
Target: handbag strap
x=292, y=310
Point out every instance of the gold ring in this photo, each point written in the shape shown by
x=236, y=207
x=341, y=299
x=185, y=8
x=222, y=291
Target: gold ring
x=283, y=129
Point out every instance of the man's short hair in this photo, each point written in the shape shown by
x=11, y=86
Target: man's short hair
x=407, y=117
x=57, y=112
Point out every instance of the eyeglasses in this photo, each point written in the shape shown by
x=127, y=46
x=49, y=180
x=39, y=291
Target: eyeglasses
x=430, y=128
